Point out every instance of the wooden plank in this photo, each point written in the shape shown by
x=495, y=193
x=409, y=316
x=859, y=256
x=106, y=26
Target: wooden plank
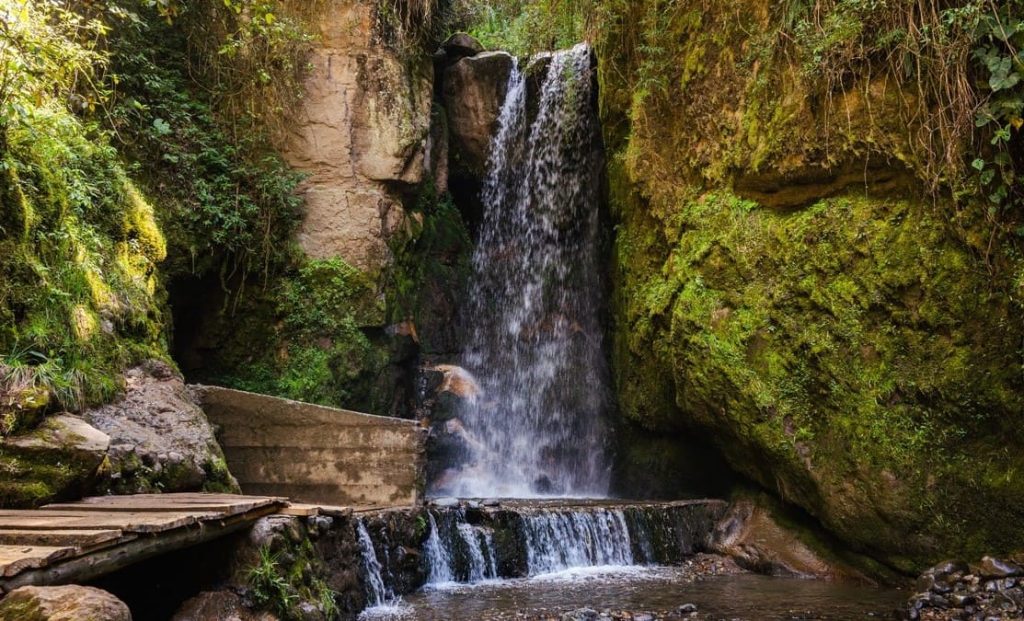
x=76, y=570
x=300, y=510
x=16, y=559
x=92, y=520
x=134, y=505
x=60, y=538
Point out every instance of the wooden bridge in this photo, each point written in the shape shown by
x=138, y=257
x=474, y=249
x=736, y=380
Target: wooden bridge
x=80, y=541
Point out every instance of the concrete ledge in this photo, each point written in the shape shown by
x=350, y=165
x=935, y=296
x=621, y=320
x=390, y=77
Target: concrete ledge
x=316, y=454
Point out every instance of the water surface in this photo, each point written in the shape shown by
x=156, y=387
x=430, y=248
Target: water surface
x=656, y=590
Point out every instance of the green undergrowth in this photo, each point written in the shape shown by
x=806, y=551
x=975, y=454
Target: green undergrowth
x=280, y=581
x=430, y=270
x=197, y=98
x=79, y=245
x=310, y=337
x=525, y=27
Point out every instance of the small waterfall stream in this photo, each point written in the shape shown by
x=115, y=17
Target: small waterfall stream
x=378, y=593
x=535, y=336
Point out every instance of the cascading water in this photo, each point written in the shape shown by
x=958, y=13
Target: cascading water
x=544, y=539
x=535, y=341
x=377, y=592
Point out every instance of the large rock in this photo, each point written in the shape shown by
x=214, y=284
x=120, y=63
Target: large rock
x=62, y=603
x=21, y=407
x=160, y=439
x=460, y=45
x=60, y=459
x=360, y=136
x=847, y=343
x=751, y=535
x=474, y=91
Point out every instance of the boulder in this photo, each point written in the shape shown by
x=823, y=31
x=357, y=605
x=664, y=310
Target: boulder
x=62, y=603
x=160, y=439
x=473, y=92
x=219, y=606
x=751, y=536
x=21, y=407
x=461, y=45
x=60, y=459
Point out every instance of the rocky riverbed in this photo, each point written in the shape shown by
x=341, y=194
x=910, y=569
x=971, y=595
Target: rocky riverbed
x=989, y=590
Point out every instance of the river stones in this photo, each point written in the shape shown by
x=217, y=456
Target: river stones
x=989, y=589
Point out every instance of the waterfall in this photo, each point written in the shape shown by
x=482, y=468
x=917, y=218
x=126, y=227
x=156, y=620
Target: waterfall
x=539, y=539
x=535, y=336
x=378, y=594
x=559, y=540
x=438, y=559
x=457, y=551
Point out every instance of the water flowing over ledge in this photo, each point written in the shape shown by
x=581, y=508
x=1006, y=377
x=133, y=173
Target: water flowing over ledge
x=538, y=426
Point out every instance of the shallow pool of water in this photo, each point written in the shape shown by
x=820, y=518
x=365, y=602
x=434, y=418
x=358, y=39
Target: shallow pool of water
x=656, y=590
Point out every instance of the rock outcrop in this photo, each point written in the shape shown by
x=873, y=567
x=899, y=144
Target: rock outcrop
x=474, y=91
x=841, y=343
x=60, y=459
x=155, y=438
x=362, y=130
x=160, y=439
x=62, y=603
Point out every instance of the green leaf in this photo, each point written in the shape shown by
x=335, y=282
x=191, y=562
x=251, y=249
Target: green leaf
x=978, y=164
x=161, y=126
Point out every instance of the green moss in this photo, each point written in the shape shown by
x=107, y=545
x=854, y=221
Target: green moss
x=283, y=580
x=839, y=353
x=430, y=271
x=313, y=337
x=850, y=346
x=78, y=290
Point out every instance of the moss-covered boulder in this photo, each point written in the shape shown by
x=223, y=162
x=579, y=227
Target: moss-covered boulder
x=59, y=460
x=784, y=283
x=62, y=603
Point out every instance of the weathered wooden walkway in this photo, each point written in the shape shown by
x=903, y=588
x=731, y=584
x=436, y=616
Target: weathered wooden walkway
x=79, y=541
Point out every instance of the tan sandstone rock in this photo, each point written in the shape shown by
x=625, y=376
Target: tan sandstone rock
x=363, y=129
x=62, y=603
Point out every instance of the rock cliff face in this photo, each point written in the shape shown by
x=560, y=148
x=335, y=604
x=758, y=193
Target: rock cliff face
x=361, y=136
x=785, y=286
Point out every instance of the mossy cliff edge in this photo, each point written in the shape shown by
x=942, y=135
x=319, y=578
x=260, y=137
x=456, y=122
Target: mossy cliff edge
x=786, y=283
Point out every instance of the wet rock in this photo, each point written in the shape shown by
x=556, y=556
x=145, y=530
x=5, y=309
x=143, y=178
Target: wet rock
x=445, y=502
x=160, y=439
x=58, y=460
x=687, y=609
x=473, y=92
x=953, y=591
x=219, y=606
x=461, y=45
x=62, y=603
x=581, y=614
x=750, y=535
x=991, y=567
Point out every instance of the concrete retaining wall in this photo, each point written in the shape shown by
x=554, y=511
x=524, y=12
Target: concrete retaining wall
x=316, y=454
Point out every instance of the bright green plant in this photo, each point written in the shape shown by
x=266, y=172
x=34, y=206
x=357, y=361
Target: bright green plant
x=270, y=587
x=997, y=53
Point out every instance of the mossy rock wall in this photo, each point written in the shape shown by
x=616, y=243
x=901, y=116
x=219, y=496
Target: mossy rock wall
x=79, y=294
x=848, y=342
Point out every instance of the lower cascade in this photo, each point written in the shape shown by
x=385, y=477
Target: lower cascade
x=476, y=544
